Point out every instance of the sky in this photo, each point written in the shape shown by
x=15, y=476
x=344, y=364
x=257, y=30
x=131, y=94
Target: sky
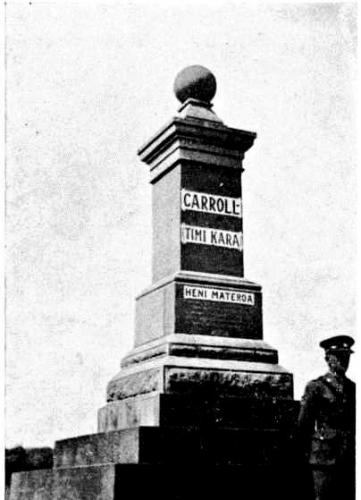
x=86, y=86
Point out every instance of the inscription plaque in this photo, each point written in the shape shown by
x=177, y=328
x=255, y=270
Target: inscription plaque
x=213, y=237
x=218, y=295
x=211, y=203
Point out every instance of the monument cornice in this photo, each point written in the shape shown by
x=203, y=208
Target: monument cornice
x=201, y=278
x=196, y=140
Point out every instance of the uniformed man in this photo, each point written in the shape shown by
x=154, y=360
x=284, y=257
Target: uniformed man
x=327, y=424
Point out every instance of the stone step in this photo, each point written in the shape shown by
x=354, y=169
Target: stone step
x=228, y=412
x=173, y=444
x=182, y=410
x=164, y=482
x=202, y=376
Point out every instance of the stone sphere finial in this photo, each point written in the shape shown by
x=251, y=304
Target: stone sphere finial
x=195, y=82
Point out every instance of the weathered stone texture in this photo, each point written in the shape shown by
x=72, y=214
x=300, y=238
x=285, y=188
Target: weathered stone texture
x=203, y=377
x=30, y=485
x=85, y=483
x=137, y=383
x=192, y=410
x=184, y=444
x=204, y=317
x=129, y=413
x=228, y=382
x=181, y=481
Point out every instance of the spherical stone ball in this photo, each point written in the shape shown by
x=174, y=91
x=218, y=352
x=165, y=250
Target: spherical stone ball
x=195, y=82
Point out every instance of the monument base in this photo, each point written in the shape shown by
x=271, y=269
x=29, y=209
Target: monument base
x=164, y=482
x=173, y=463
x=202, y=365
x=176, y=410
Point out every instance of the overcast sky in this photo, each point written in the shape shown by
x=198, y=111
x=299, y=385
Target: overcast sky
x=87, y=85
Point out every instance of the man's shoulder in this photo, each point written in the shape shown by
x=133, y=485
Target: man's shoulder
x=317, y=386
x=349, y=381
x=316, y=383
x=325, y=382
x=350, y=384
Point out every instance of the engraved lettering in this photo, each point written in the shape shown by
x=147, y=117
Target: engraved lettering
x=218, y=295
x=213, y=237
x=211, y=203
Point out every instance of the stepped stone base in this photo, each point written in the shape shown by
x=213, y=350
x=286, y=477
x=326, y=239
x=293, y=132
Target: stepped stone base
x=176, y=445
x=83, y=483
x=177, y=410
x=164, y=482
x=200, y=448
x=156, y=368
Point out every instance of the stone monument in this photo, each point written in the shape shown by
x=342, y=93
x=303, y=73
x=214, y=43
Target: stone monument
x=200, y=408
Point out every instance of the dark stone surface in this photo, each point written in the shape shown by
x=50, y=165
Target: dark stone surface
x=168, y=482
x=191, y=410
x=228, y=382
x=228, y=412
x=186, y=410
x=253, y=380
x=212, y=482
x=222, y=319
x=162, y=310
x=205, y=444
x=206, y=258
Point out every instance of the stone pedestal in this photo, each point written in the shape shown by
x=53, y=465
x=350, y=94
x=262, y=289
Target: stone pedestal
x=200, y=448
x=183, y=364
x=199, y=325
x=200, y=408
x=199, y=304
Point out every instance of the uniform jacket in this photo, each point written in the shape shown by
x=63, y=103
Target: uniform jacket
x=327, y=421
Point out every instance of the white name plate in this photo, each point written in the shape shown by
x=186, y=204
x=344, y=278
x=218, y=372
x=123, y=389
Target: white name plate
x=214, y=237
x=218, y=295
x=211, y=203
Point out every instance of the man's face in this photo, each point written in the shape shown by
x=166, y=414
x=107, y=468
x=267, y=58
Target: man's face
x=338, y=361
